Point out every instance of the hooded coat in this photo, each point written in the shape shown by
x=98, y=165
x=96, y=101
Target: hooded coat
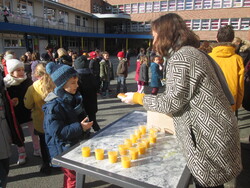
x=33, y=100
x=233, y=68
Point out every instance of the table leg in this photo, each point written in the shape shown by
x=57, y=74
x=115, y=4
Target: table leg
x=80, y=180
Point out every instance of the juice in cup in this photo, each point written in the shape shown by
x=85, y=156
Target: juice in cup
x=123, y=149
x=138, y=133
x=128, y=142
x=99, y=154
x=141, y=148
x=126, y=161
x=146, y=142
x=143, y=129
x=152, y=138
x=133, y=138
x=112, y=156
x=153, y=130
x=133, y=152
x=86, y=151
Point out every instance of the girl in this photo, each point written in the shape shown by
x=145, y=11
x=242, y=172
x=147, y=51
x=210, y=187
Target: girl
x=34, y=100
x=143, y=75
x=197, y=96
x=17, y=84
x=156, y=74
x=65, y=122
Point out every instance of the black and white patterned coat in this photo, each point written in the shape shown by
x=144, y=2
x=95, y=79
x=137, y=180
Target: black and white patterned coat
x=204, y=121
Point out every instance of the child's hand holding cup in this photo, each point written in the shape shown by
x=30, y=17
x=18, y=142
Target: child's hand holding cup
x=86, y=124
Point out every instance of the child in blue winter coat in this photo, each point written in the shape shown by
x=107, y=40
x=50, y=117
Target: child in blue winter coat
x=65, y=122
x=156, y=74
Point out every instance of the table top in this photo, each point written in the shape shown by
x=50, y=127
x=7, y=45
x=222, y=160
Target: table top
x=161, y=166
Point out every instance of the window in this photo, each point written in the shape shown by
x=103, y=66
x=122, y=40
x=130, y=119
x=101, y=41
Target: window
x=128, y=9
x=84, y=22
x=121, y=8
x=245, y=22
x=180, y=4
x=114, y=9
x=188, y=23
x=189, y=5
x=149, y=6
x=156, y=6
x=196, y=25
x=141, y=27
x=237, y=3
x=24, y=7
x=77, y=20
x=198, y=4
x=246, y=3
x=235, y=23
x=224, y=22
x=147, y=27
x=207, y=4
x=14, y=43
x=227, y=4
x=134, y=27
x=141, y=7
x=172, y=5
x=164, y=6
x=49, y=13
x=217, y=3
x=214, y=24
x=205, y=24
x=134, y=8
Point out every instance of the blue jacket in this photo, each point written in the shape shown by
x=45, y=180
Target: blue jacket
x=61, y=125
x=156, y=75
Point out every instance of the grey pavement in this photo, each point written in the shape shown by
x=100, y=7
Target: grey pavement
x=110, y=110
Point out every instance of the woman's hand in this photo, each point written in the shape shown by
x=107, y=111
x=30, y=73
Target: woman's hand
x=15, y=101
x=129, y=98
x=85, y=124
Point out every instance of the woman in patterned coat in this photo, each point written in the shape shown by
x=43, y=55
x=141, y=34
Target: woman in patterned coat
x=204, y=121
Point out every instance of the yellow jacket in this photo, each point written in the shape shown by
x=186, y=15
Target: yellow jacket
x=33, y=100
x=233, y=69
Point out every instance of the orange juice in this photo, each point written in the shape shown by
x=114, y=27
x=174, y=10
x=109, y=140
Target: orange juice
x=112, y=156
x=143, y=129
x=152, y=138
x=128, y=142
x=146, y=142
x=138, y=133
x=133, y=138
x=86, y=151
x=126, y=161
x=99, y=154
x=123, y=149
x=153, y=130
x=141, y=148
x=133, y=152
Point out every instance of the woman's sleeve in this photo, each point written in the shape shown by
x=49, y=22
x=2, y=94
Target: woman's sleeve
x=179, y=90
x=29, y=99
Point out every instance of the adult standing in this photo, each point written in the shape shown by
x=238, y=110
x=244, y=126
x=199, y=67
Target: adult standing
x=230, y=63
x=204, y=121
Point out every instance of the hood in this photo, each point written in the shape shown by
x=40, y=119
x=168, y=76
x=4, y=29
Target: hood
x=245, y=44
x=223, y=50
x=38, y=87
x=50, y=97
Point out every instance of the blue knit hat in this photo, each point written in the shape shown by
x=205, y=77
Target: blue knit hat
x=60, y=74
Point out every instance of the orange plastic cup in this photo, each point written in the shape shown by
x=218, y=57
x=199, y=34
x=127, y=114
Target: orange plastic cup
x=146, y=141
x=152, y=138
x=99, y=154
x=123, y=149
x=112, y=155
x=143, y=129
x=128, y=142
x=141, y=148
x=133, y=152
x=133, y=138
x=138, y=133
x=86, y=151
x=126, y=161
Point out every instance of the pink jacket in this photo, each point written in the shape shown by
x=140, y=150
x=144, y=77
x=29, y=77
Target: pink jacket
x=137, y=70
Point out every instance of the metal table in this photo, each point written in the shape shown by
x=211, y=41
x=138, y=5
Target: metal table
x=163, y=165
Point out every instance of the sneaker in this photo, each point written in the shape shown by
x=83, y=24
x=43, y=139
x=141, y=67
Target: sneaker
x=245, y=140
x=21, y=158
x=37, y=153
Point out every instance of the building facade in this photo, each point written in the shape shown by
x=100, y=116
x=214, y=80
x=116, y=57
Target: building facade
x=204, y=17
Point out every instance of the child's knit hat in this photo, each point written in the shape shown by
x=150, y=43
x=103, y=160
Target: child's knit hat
x=60, y=74
x=121, y=54
x=13, y=64
x=92, y=55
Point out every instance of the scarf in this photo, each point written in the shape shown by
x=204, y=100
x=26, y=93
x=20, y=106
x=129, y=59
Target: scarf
x=12, y=81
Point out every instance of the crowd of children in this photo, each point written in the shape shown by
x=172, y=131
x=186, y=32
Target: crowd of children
x=55, y=96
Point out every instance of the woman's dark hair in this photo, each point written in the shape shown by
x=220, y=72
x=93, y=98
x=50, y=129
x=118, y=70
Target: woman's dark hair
x=172, y=34
x=225, y=34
